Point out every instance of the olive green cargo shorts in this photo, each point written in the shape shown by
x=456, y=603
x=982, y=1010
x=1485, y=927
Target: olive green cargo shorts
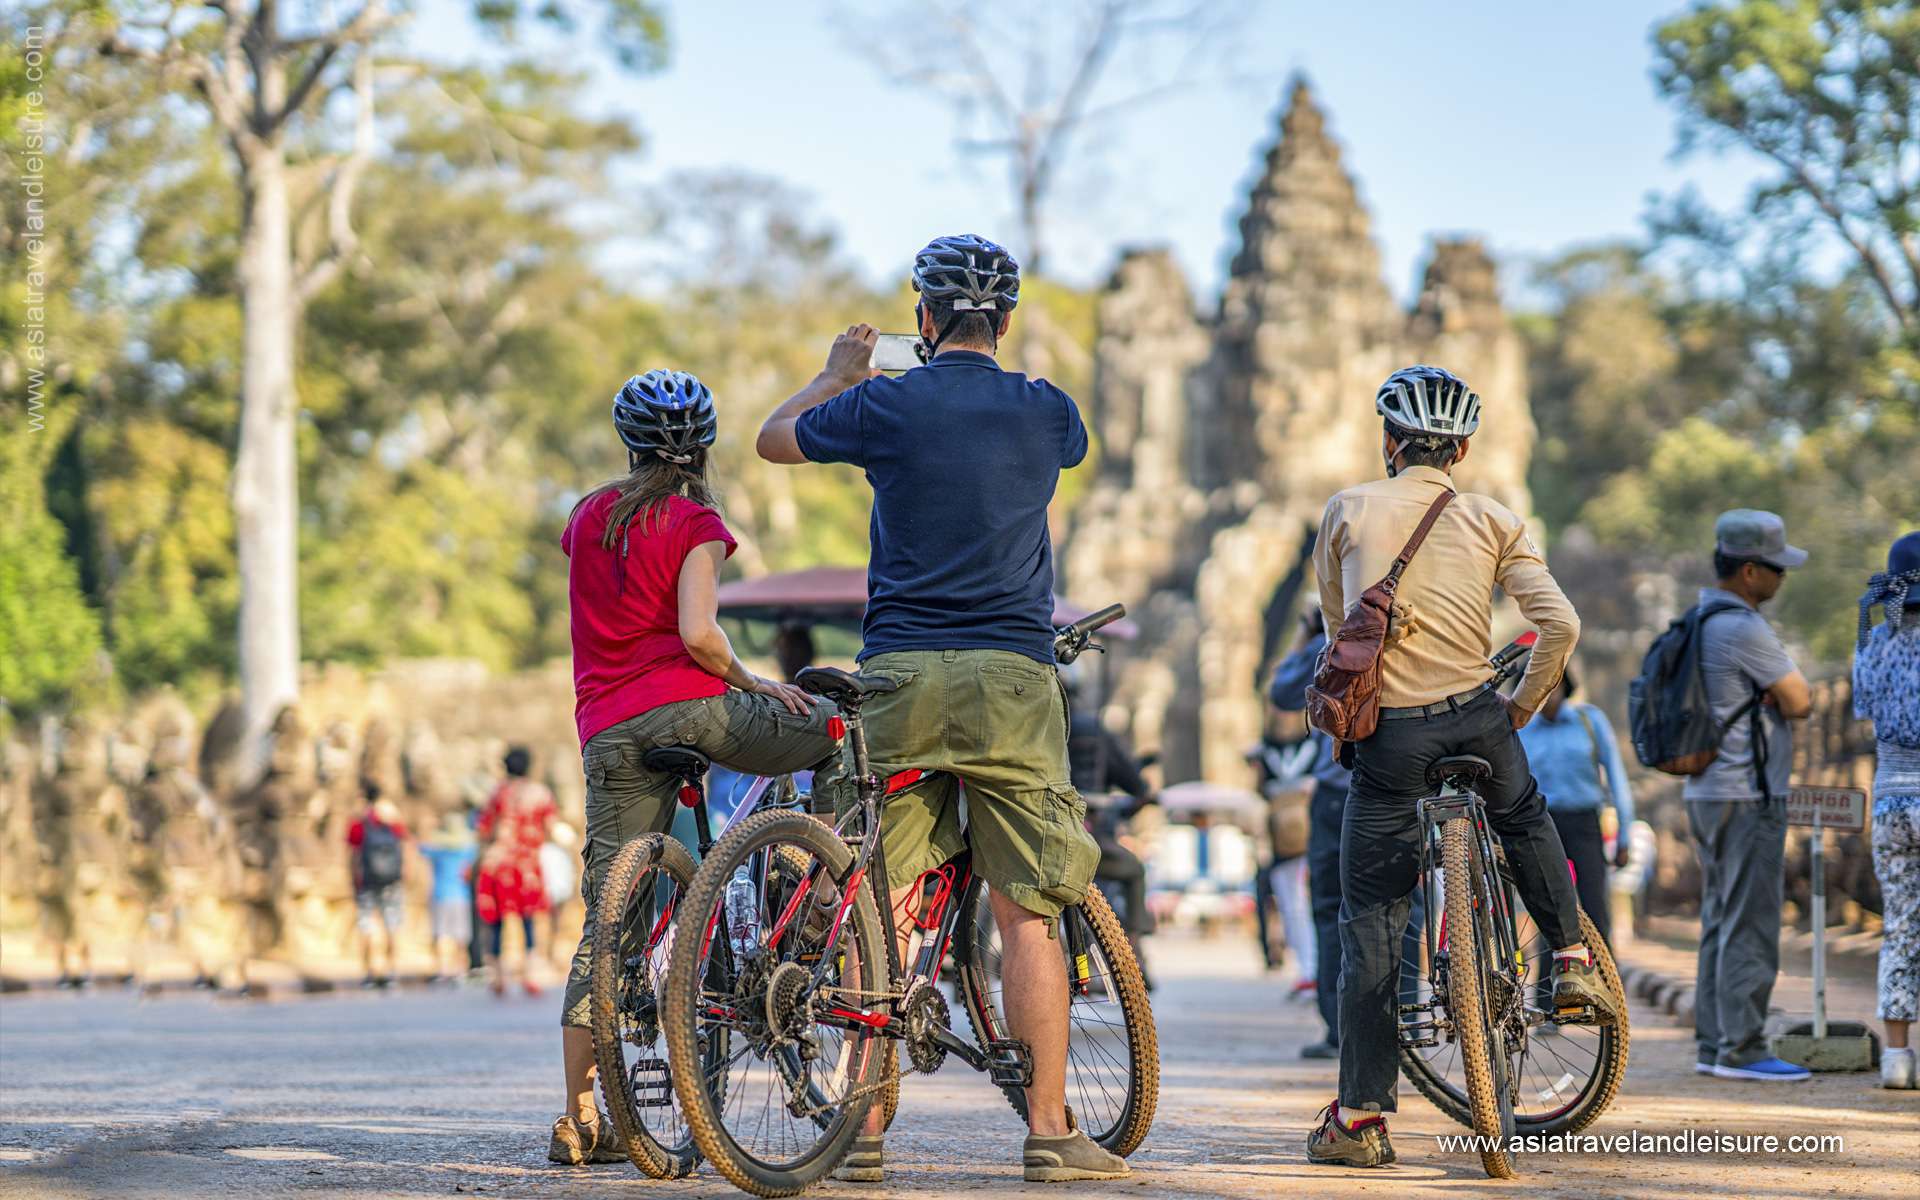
x=750, y=733
x=995, y=722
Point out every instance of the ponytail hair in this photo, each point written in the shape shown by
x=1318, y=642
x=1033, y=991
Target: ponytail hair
x=651, y=480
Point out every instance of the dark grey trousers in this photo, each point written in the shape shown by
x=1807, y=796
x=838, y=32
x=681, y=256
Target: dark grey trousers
x=1380, y=866
x=1742, y=848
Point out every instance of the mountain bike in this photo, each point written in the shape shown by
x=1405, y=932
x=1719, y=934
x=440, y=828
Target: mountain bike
x=633, y=938
x=1476, y=1009
x=789, y=1002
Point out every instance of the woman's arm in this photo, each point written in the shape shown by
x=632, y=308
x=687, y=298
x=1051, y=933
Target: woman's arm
x=707, y=643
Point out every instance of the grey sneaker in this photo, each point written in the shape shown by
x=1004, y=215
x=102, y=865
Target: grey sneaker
x=1581, y=985
x=863, y=1163
x=577, y=1143
x=1331, y=1144
x=1072, y=1155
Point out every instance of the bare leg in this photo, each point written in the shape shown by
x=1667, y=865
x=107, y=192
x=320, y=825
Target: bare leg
x=1897, y=1034
x=576, y=1055
x=905, y=901
x=1034, y=989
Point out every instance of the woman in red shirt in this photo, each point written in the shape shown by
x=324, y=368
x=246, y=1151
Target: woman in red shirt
x=652, y=667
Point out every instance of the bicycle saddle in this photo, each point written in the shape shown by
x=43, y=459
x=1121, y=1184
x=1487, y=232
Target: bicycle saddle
x=1470, y=766
x=683, y=762
x=843, y=686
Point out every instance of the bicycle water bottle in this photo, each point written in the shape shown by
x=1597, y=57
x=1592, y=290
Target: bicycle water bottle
x=743, y=914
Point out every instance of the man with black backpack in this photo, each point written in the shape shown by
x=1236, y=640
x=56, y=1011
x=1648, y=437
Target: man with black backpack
x=1712, y=703
x=378, y=838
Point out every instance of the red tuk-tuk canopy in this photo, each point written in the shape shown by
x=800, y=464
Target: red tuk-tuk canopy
x=838, y=596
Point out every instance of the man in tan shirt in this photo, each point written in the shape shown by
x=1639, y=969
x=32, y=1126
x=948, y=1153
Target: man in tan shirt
x=1437, y=699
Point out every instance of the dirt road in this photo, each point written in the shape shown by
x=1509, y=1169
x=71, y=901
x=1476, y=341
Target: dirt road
x=445, y=1093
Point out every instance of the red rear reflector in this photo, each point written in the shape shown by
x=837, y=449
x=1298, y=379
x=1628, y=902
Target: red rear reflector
x=1527, y=639
x=689, y=795
x=836, y=728
x=904, y=780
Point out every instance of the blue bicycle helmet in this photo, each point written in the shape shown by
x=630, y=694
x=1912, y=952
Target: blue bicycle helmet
x=666, y=413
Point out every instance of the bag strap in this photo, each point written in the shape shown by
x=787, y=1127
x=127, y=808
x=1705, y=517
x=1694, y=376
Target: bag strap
x=1419, y=535
x=1593, y=747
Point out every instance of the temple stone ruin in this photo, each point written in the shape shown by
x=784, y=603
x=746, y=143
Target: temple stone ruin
x=1222, y=436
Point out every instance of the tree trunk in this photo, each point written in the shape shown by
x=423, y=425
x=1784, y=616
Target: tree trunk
x=265, y=483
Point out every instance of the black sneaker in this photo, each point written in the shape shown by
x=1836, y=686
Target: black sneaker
x=1580, y=985
x=1332, y=1144
x=1321, y=1049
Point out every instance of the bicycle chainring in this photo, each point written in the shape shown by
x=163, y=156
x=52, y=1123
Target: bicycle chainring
x=926, y=1011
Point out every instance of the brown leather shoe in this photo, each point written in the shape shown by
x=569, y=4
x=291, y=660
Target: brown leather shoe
x=576, y=1143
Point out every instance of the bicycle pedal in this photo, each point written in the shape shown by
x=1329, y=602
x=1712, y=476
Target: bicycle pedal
x=652, y=1085
x=1009, y=1063
x=1579, y=1014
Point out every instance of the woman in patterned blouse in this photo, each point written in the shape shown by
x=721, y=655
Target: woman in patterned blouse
x=1886, y=691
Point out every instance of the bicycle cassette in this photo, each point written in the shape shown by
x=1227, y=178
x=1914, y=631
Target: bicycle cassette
x=926, y=1011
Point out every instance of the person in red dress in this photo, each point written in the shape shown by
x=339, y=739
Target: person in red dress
x=652, y=667
x=512, y=828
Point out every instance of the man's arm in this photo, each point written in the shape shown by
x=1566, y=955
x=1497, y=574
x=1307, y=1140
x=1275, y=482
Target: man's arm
x=1523, y=575
x=1791, y=695
x=849, y=362
x=1326, y=568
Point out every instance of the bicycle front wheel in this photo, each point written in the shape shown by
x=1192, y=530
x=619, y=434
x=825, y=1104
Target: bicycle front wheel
x=769, y=959
x=1113, y=1050
x=1470, y=1002
x=633, y=939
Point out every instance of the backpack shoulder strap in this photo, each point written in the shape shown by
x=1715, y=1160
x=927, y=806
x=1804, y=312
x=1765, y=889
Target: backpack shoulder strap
x=1420, y=532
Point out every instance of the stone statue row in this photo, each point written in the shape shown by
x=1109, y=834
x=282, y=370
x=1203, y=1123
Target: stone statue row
x=133, y=849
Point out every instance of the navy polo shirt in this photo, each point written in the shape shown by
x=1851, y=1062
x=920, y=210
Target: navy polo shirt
x=963, y=458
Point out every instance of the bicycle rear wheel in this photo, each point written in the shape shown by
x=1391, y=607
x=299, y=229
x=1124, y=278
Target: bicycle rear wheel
x=1567, y=1077
x=1113, y=1050
x=633, y=939
x=782, y=1106
x=1470, y=999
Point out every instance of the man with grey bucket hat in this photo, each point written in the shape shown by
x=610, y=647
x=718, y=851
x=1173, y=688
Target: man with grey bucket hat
x=1737, y=806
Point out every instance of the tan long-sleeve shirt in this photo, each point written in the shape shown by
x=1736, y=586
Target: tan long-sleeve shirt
x=1443, y=612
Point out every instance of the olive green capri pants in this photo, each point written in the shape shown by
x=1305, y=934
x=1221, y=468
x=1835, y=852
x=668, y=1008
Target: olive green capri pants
x=747, y=732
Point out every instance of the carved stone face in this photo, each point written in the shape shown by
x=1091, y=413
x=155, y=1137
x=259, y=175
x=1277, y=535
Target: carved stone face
x=292, y=755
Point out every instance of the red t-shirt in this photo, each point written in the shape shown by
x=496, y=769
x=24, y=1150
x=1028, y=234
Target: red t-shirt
x=627, y=653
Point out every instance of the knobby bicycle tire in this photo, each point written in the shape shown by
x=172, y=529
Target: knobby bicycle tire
x=765, y=830
x=650, y=852
x=1124, y=1134
x=1466, y=1002
x=1610, y=1063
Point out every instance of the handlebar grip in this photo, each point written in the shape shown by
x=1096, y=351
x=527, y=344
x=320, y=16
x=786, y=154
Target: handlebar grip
x=1093, y=621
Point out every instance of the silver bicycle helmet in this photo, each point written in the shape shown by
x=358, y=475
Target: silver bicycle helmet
x=1429, y=400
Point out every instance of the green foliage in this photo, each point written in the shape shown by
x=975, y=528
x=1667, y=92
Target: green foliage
x=1829, y=92
x=49, y=636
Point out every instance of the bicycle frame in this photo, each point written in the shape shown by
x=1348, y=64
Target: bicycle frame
x=1450, y=803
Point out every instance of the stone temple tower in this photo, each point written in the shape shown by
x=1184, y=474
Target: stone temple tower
x=1222, y=438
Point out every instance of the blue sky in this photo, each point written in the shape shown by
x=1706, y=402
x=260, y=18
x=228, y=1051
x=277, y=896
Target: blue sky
x=1533, y=125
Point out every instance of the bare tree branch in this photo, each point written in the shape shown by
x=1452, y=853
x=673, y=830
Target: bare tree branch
x=343, y=240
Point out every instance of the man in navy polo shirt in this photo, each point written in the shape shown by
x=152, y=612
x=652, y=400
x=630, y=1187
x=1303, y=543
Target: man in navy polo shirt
x=963, y=458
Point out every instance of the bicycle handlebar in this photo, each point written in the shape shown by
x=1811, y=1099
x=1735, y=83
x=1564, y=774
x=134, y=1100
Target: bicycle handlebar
x=1507, y=663
x=1070, y=640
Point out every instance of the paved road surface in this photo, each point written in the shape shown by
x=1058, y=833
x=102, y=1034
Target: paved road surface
x=451, y=1093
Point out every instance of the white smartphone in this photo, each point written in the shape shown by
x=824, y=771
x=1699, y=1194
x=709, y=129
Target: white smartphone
x=896, y=352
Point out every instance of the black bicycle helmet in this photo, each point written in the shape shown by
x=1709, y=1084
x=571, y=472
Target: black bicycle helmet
x=667, y=413
x=1429, y=401
x=966, y=274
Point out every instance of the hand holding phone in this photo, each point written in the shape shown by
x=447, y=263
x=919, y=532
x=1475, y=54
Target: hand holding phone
x=897, y=352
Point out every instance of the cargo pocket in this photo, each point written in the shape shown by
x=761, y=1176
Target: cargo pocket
x=1068, y=853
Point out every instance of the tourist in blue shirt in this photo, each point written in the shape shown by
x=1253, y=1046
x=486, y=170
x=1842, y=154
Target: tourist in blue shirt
x=450, y=853
x=1576, y=760
x=963, y=458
